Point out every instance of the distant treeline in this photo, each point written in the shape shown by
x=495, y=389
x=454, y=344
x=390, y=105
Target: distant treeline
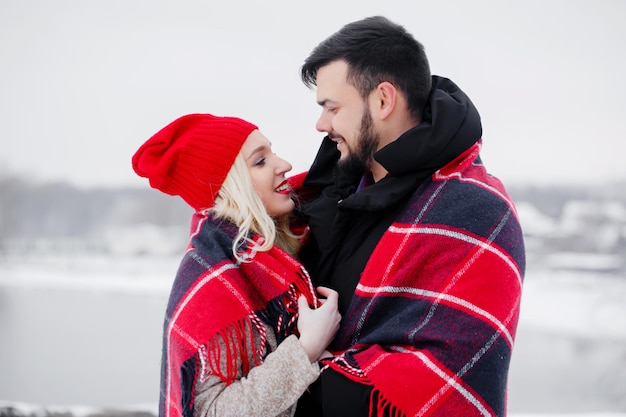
x=60, y=211
x=550, y=200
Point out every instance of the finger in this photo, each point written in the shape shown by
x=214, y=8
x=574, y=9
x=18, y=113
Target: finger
x=302, y=302
x=330, y=294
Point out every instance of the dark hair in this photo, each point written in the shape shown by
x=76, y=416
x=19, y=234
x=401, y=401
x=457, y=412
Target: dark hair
x=376, y=50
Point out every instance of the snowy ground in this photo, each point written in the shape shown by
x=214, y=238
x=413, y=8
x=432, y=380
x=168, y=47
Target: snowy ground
x=569, y=358
x=21, y=409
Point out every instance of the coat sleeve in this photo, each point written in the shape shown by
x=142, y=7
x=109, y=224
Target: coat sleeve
x=270, y=389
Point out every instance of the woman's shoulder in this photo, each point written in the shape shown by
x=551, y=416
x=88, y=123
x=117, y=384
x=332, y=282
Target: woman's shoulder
x=206, y=227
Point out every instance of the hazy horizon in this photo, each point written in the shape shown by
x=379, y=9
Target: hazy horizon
x=85, y=83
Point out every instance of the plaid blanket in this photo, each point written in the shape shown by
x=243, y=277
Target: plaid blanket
x=213, y=300
x=433, y=319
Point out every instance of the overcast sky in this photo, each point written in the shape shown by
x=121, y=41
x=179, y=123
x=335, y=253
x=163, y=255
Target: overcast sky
x=83, y=83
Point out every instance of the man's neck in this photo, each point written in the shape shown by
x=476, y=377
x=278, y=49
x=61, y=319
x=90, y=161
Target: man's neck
x=378, y=171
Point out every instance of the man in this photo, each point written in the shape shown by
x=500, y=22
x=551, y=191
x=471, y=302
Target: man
x=422, y=244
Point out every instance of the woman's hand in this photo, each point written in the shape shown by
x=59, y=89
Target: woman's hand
x=318, y=326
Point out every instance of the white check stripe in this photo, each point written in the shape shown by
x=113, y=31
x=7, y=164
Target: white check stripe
x=270, y=272
x=460, y=236
x=440, y=296
x=392, y=261
x=172, y=323
x=481, y=184
x=450, y=383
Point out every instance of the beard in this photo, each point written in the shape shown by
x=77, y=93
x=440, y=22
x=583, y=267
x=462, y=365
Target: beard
x=360, y=158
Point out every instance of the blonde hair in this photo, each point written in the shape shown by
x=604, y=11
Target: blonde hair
x=238, y=202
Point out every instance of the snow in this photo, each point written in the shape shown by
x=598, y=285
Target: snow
x=568, y=307
x=579, y=304
x=81, y=411
x=92, y=272
x=583, y=305
x=535, y=222
x=25, y=409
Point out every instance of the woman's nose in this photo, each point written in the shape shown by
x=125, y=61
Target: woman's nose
x=283, y=166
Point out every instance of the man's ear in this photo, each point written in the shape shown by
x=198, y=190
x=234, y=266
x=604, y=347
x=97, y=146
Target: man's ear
x=386, y=97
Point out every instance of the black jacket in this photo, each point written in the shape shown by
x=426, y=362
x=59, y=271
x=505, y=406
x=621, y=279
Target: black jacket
x=346, y=226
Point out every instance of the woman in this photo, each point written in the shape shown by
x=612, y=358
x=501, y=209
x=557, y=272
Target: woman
x=244, y=329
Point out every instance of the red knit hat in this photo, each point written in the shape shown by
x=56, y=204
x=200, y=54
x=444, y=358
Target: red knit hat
x=191, y=156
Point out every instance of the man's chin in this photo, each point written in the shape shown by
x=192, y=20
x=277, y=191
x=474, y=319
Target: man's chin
x=350, y=165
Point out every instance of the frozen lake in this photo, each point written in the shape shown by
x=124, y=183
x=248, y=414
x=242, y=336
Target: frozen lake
x=87, y=331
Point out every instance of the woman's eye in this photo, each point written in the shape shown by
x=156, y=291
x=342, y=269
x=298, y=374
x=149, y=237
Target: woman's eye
x=260, y=162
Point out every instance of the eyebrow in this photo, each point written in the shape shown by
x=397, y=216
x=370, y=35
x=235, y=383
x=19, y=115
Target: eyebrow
x=327, y=101
x=255, y=151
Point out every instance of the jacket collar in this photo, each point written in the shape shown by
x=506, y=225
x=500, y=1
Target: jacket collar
x=451, y=125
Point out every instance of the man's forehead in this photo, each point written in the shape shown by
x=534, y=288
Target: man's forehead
x=332, y=84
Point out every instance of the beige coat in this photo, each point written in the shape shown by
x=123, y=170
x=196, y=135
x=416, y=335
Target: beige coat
x=268, y=390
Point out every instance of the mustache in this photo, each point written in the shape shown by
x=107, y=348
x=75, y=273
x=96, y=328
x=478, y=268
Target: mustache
x=333, y=135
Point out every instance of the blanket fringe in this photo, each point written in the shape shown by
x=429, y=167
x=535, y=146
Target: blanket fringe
x=381, y=406
x=221, y=354
x=281, y=313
